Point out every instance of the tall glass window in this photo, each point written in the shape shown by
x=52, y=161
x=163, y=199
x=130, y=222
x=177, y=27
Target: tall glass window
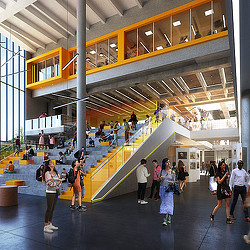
x=12, y=90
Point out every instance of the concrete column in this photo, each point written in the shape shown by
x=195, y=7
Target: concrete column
x=81, y=73
x=69, y=112
x=245, y=107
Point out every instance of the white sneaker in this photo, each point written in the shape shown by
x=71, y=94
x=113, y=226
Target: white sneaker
x=46, y=229
x=144, y=202
x=50, y=226
x=247, y=240
x=138, y=201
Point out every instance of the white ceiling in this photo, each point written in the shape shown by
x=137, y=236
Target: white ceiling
x=33, y=24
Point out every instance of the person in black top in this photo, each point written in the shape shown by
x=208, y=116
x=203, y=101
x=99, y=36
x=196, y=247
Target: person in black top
x=223, y=191
x=134, y=121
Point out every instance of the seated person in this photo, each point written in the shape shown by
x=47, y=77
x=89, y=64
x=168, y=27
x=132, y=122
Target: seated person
x=10, y=168
x=39, y=173
x=69, y=149
x=60, y=143
x=46, y=157
x=62, y=158
x=91, y=143
x=26, y=154
x=64, y=175
x=99, y=132
x=31, y=151
x=103, y=137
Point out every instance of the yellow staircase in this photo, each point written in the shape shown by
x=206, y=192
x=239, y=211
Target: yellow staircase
x=107, y=167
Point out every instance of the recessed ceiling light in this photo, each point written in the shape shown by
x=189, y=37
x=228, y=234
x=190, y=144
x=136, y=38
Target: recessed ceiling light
x=149, y=33
x=209, y=12
x=177, y=23
x=92, y=52
x=112, y=45
x=159, y=47
x=116, y=49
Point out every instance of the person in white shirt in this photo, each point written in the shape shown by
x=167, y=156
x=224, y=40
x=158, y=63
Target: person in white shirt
x=238, y=182
x=142, y=175
x=148, y=124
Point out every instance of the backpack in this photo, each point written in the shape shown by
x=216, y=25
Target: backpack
x=71, y=177
x=76, y=154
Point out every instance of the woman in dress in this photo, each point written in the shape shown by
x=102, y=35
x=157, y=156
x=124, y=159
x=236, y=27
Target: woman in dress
x=53, y=184
x=223, y=191
x=181, y=175
x=77, y=187
x=41, y=140
x=166, y=178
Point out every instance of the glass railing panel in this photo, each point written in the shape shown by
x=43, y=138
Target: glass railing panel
x=113, y=50
x=201, y=21
x=48, y=122
x=91, y=57
x=54, y=121
x=59, y=120
x=28, y=124
x=42, y=122
x=36, y=123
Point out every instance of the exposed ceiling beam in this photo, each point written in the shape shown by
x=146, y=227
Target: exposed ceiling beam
x=55, y=18
x=139, y=3
x=116, y=7
x=36, y=27
x=71, y=11
x=135, y=94
x=223, y=80
x=165, y=88
x=225, y=110
x=96, y=11
x=23, y=33
x=2, y=5
x=18, y=39
x=204, y=102
x=149, y=91
x=203, y=83
x=47, y=20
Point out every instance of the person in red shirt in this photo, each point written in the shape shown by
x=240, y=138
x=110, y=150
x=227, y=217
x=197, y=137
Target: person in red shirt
x=155, y=183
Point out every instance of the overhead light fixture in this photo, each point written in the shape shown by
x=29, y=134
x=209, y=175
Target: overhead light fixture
x=149, y=33
x=132, y=100
x=101, y=54
x=153, y=89
x=141, y=95
x=167, y=86
x=116, y=49
x=112, y=45
x=192, y=26
x=224, y=21
x=159, y=47
x=99, y=111
x=104, y=107
x=87, y=59
x=167, y=39
x=183, y=81
x=70, y=61
x=209, y=12
x=203, y=79
x=176, y=23
x=69, y=103
x=92, y=52
x=144, y=47
x=178, y=84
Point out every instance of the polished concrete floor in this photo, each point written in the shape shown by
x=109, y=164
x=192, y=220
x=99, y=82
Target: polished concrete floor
x=120, y=223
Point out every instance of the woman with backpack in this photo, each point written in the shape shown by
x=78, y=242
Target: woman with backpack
x=76, y=183
x=53, y=184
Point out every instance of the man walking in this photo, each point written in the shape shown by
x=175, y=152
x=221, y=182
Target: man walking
x=142, y=175
x=115, y=130
x=238, y=182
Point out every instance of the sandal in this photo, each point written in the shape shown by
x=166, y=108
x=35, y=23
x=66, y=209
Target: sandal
x=228, y=221
x=212, y=217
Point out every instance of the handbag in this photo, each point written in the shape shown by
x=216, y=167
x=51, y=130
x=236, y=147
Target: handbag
x=186, y=173
x=225, y=191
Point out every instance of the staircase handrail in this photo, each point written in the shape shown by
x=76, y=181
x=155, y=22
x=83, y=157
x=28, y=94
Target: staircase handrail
x=119, y=149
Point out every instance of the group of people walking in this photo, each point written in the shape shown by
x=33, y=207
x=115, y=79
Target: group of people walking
x=167, y=180
x=227, y=183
